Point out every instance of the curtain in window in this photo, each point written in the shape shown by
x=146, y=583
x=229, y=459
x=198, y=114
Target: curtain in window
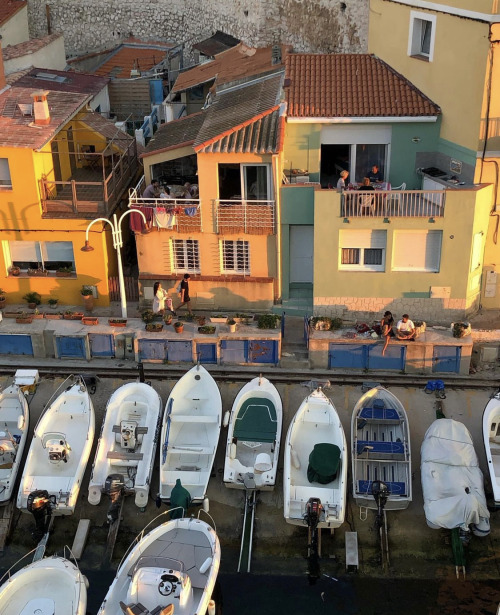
x=256, y=183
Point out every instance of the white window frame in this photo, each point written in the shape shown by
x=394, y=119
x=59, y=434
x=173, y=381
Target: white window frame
x=40, y=251
x=237, y=256
x=179, y=248
x=414, y=38
x=243, y=174
x=362, y=240
x=5, y=177
x=405, y=236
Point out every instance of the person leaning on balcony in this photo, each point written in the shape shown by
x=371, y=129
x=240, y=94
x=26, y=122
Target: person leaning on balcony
x=152, y=191
x=161, y=300
x=341, y=183
x=405, y=329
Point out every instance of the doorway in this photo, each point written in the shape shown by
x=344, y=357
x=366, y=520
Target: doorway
x=301, y=261
x=334, y=159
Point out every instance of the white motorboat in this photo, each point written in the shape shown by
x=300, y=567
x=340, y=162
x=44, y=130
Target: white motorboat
x=60, y=448
x=190, y=433
x=380, y=438
x=170, y=570
x=452, y=481
x=127, y=443
x=253, y=438
x=47, y=586
x=491, y=436
x=14, y=424
x=315, y=463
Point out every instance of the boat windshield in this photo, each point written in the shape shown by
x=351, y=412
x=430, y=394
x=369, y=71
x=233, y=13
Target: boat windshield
x=151, y=561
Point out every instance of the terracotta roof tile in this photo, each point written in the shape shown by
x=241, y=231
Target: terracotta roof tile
x=235, y=63
x=128, y=57
x=174, y=134
x=73, y=81
x=23, y=49
x=351, y=85
x=8, y=8
x=17, y=130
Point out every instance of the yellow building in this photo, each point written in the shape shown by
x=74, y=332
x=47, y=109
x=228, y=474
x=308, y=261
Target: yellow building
x=450, y=50
x=61, y=166
x=225, y=233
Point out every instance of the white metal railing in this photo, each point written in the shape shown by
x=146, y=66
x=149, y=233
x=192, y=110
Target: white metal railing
x=185, y=212
x=393, y=203
x=242, y=216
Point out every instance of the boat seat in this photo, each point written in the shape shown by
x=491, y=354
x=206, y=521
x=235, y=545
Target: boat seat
x=133, y=609
x=395, y=488
x=194, y=418
x=6, y=466
x=125, y=456
x=163, y=610
x=316, y=416
x=386, y=416
x=380, y=449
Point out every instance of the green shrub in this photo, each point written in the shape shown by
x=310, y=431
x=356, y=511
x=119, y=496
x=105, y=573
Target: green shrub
x=33, y=297
x=268, y=321
x=148, y=316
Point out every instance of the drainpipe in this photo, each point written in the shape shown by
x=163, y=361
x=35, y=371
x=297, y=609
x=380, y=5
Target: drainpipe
x=277, y=184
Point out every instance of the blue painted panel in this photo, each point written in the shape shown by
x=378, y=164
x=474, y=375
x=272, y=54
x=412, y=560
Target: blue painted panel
x=152, y=350
x=180, y=351
x=101, y=345
x=233, y=351
x=156, y=91
x=263, y=351
x=446, y=359
x=16, y=344
x=71, y=347
x=394, y=357
x=207, y=353
x=352, y=356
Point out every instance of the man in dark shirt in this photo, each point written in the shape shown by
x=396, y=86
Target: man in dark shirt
x=152, y=191
x=185, y=298
x=375, y=176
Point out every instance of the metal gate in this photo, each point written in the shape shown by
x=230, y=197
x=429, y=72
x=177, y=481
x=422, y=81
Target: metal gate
x=101, y=345
x=179, y=351
x=152, y=350
x=206, y=353
x=249, y=351
x=352, y=356
x=70, y=347
x=16, y=344
x=366, y=356
x=446, y=359
x=394, y=358
x=131, y=289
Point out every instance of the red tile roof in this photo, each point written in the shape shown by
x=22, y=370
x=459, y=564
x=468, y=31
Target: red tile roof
x=351, y=85
x=17, y=130
x=140, y=56
x=73, y=82
x=235, y=63
x=8, y=8
x=23, y=49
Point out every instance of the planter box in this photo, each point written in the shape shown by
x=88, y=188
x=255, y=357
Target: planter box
x=24, y=321
x=90, y=320
x=37, y=316
x=49, y=316
x=154, y=327
x=73, y=316
x=11, y=314
x=116, y=323
x=222, y=319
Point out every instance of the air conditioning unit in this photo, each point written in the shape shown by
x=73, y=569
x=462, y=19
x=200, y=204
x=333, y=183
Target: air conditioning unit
x=135, y=73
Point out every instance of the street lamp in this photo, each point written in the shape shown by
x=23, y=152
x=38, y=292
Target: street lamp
x=117, y=245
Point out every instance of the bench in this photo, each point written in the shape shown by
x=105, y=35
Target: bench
x=380, y=449
x=124, y=456
x=395, y=488
x=380, y=415
x=193, y=418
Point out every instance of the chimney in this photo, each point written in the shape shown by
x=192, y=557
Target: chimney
x=3, y=83
x=41, y=107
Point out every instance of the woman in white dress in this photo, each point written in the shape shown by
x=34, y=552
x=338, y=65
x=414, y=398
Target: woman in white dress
x=161, y=300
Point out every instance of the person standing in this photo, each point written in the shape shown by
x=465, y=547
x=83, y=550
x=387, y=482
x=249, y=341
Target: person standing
x=341, y=183
x=386, y=324
x=185, y=298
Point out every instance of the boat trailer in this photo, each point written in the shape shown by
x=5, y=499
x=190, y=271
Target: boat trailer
x=245, y=558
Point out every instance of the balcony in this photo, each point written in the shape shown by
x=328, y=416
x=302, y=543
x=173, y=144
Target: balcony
x=240, y=216
x=174, y=214
x=95, y=187
x=393, y=203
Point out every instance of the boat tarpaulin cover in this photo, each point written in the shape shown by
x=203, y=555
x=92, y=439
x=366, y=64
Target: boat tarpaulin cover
x=452, y=481
x=324, y=462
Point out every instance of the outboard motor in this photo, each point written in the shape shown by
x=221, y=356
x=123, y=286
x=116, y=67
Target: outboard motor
x=115, y=488
x=40, y=505
x=380, y=492
x=312, y=517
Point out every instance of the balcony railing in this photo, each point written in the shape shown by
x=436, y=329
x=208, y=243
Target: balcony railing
x=181, y=215
x=240, y=216
x=393, y=203
x=92, y=190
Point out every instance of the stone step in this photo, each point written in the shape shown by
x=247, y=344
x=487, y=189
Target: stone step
x=294, y=363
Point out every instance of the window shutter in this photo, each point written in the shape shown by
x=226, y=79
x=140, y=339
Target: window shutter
x=417, y=251
x=24, y=251
x=363, y=239
x=57, y=251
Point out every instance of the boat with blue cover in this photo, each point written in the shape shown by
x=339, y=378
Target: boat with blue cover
x=254, y=434
x=380, y=439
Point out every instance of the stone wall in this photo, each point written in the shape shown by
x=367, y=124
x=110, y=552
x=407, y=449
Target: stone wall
x=308, y=25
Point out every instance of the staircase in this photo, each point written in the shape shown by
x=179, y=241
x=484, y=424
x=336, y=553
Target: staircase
x=294, y=353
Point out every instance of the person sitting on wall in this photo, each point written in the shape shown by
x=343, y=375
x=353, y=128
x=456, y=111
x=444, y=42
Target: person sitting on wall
x=386, y=325
x=405, y=329
x=152, y=191
x=375, y=176
x=161, y=300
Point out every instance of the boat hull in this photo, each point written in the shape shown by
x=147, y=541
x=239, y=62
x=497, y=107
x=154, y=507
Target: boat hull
x=380, y=440
x=190, y=433
x=14, y=425
x=127, y=444
x=491, y=438
x=315, y=422
x=254, y=434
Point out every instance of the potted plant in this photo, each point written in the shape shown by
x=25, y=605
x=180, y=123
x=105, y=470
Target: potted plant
x=24, y=318
x=54, y=315
x=179, y=327
x=321, y=323
x=2, y=298
x=206, y=329
x=90, y=320
x=268, y=321
x=218, y=318
x=117, y=322
x=14, y=270
x=70, y=315
x=201, y=320
x=154, y=327
x=87, y=293
x=37, y=315
x=420, y=327
x=231, y=323
x=148, y=316
x=460, y=329
x=64, y=272
x=167, y=319
x=53, y=302
x=32, y=299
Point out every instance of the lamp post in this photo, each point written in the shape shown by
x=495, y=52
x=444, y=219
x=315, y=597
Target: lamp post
x=117, y=245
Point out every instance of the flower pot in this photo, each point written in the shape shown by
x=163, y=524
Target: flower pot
x=90, y=320
x=179, y=328
x=88, y=302
x=232, y=328
x=24, y=320
x=49, y=316
x=117, y=323
x=15, y=271
x=167, y=320
x=32, y=306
